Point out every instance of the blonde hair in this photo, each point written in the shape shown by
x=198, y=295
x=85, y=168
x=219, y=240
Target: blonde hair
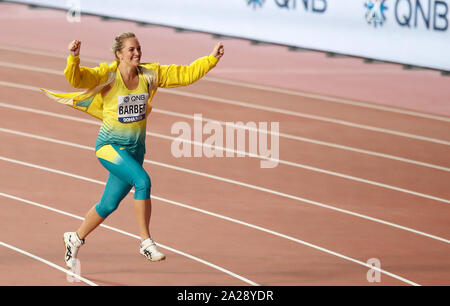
x=118, y=42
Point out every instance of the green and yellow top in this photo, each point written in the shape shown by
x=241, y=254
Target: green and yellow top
x=123, y=111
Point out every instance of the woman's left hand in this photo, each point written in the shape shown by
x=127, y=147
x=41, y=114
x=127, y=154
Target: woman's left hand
x=218, y=50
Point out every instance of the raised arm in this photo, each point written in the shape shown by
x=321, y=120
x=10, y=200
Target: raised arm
x=79, y=77
x=182, y=75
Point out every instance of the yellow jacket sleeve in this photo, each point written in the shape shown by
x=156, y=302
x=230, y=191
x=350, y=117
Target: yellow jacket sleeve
x=82, y=77
x=181, y=75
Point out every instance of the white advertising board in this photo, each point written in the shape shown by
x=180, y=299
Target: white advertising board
x=414, y=32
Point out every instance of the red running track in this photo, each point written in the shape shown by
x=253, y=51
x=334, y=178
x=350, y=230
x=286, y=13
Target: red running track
x=358, y=178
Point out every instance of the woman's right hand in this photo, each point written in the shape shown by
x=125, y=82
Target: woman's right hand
x=74, y=47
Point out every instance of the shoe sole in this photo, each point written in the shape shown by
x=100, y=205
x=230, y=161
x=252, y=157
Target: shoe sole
x=156, y=260
x=164, y=258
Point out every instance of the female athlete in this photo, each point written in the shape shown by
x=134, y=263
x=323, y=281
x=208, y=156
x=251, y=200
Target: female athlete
x=120, y=94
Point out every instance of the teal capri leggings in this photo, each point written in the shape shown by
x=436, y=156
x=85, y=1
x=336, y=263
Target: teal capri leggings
x=125, y=171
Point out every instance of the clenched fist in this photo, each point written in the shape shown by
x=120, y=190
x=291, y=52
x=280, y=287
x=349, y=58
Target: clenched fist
x=74, y=47
x=218, y=50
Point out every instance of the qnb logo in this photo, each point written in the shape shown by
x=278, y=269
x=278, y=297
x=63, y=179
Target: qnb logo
x=375, y=12
x=142, y=97
x=255, y=3
x=134, y=98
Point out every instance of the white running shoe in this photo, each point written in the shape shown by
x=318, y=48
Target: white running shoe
x=71, y=245
x=150, y=251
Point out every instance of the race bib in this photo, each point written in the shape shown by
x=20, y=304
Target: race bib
x=132, y=108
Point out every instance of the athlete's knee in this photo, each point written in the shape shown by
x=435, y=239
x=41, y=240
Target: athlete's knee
x=142, y=187
x=105, y=208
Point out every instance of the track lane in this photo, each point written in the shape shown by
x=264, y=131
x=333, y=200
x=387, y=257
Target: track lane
x=406, y=123
x=404, y=147
x=294, y=154
x=56, y=61
x=228, y=243
x=312, y=227
x=317, y=107
x=108, y=254
x=29, y=270
x=426, y=177
x=407, y=266
x=346, y=196
x=296, y=139
x=271, y=109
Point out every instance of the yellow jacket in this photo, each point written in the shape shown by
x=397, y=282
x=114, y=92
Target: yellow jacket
x=95, y=79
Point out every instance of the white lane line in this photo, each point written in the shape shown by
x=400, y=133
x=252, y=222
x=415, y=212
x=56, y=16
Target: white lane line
x=30, y=68
x=21, y=86
x=328, y=99
x=44, y=53
x=288, y=163
x=66, y=271
x=259, y=107
x=283, y=135
x=235, y=221
x=305, y=71
x=122, y=231
x=314, y=169
x=309, y=140
x=303, y=115
x=257, y=87
x=303, y=200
